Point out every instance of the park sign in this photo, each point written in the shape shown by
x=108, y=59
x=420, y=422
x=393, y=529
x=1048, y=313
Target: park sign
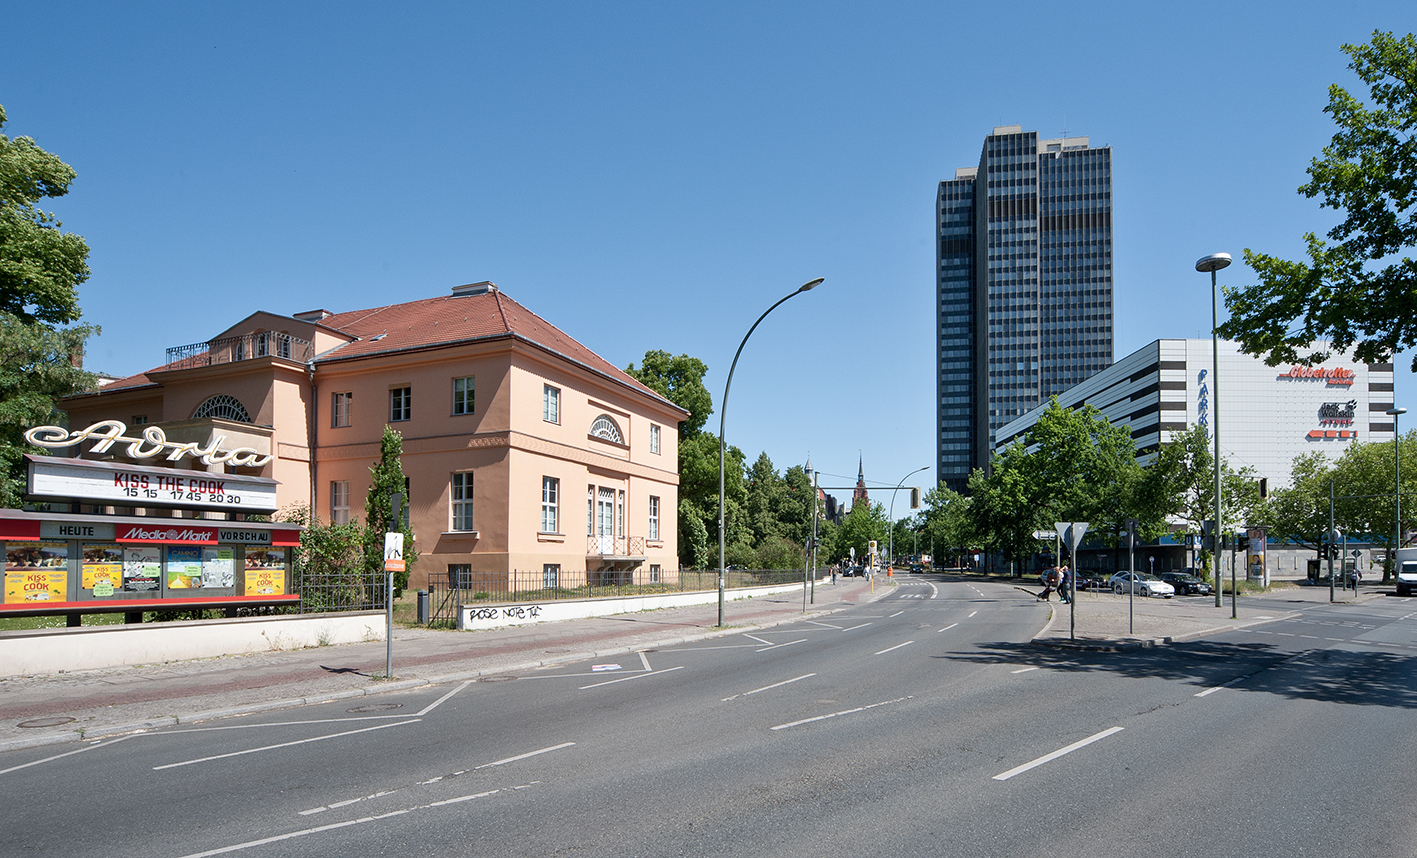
x=110, y=484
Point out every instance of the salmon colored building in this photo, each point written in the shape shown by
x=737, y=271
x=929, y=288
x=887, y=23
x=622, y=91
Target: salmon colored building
x=524, y=450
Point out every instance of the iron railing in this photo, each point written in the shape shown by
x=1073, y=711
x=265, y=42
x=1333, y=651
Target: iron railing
x=463, y=588
x=244, y=347
x=615, y=546
x=341, y=590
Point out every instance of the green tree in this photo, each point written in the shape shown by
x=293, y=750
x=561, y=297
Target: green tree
x=41, y=268
x=947, y=524
x=681, y=381
x=388, y=479
x=1357, y=292
x=330, y=573
x=865, y=522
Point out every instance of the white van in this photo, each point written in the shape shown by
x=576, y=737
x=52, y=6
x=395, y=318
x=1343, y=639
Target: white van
x=1406, y=571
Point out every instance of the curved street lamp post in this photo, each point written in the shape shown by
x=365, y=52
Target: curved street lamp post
x=890, y=535
x=1214, y=263
x=722, y=418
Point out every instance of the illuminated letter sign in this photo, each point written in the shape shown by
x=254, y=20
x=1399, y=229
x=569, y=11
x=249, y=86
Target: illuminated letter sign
x=154, y=443
x=1337, y=375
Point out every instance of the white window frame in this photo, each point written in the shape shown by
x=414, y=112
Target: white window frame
x=551, y=404
x=405, y=400
x=550, y=504
x=550, y=575
x=341, y=408
x=464, y=395
x=339, y=501
x=653, y=517
x=461, y=492
x=654, y=438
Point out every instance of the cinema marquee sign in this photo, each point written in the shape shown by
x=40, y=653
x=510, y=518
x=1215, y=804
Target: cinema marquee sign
x=152, y=444
x=136, y=485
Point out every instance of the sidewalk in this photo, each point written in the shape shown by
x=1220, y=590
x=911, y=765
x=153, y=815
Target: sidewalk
x=1102, y=621
x=67, y=707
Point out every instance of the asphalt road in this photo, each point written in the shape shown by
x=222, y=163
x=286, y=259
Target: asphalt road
x=925, y=723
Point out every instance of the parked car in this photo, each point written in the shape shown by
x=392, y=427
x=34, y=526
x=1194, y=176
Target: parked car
x=1141, y=583
x=1091, y=581
x=1186, y=584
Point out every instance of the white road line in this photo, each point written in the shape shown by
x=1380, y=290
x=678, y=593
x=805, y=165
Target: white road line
x=767, y=687
x=758, y=639
x=305, y=832
x=897, y=646
x=65, y=754
x=628, y=678
x=644, y=659
x=835, y=714
x=436, y=703
x=1056, y=754
x=896, y=614
x=284, y=745
x=950, y=626
x=1023, y=670
x=775, y=646
x=854, y=628
x=1216, y=688
x=971, y=614
x=524, y=756
x=824, y=625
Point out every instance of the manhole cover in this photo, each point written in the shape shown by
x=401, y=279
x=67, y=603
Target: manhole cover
x=376, y=707
x=45, y=722
x=495, y=678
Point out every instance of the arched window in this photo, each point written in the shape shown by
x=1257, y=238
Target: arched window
x=606, y=428
x=223, y=406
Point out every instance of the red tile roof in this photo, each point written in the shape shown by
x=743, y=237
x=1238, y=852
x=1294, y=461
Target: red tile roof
x=453, y=319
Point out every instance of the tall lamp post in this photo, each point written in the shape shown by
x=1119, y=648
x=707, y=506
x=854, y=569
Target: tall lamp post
x=723, y=416
x=890, y=537
x=1214, y=263
x=1396, y=489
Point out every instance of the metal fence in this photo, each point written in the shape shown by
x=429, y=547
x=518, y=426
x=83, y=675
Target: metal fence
x=344, y=590
x=244, y=347
x=472, y=587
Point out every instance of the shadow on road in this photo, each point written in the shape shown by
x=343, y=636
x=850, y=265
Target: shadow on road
x=1367, y=678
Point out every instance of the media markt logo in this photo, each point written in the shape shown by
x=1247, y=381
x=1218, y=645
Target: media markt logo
x=171, y=534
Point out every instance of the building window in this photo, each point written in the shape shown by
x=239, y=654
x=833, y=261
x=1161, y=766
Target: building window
x=620, y=513
x=340, y=406
x=460, y=576
x=400, y=404
x=654, y=439
x=655, y=574
x=462, y=395
x=551, y=575
x=590, y=511
x=551, y=404
x=607, y=429
x=462, y=501
x=653, y=517
x=223, y=407
x=550, y=490
x=140, y=419
x=339, y=502
x=283, y=345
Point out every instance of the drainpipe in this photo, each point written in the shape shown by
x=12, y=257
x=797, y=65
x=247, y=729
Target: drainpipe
x=312, y=433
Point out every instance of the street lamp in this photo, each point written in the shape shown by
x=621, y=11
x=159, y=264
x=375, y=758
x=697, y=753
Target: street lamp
x=723, y=415
x=890, y=537
x=1396, y=488
x=1214, y=263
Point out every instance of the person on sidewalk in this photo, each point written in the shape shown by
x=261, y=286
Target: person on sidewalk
x=1064, y=585
x=1050, y=577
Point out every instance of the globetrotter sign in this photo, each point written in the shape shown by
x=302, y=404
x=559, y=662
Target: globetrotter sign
x=152, y=444
x=1337, y=375
x=134, y=485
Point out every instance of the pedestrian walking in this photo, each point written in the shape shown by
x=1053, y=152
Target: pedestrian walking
x=1065, y=585
x=1050, y=577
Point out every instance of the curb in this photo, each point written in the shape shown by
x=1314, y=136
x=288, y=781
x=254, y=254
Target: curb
x=1117, y=645
x=105, y=732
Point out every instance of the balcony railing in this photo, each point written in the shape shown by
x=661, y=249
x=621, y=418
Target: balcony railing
x=615, y=546
x=244, y=347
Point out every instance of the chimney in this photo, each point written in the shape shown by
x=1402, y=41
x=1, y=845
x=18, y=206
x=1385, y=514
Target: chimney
x=481, y=288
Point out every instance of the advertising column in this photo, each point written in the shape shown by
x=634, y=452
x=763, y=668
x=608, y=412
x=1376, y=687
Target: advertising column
x=1255, y=567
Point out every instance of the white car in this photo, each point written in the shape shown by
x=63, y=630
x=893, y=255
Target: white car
x=1142, y=583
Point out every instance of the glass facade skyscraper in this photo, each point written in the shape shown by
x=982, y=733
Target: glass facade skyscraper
x=1023, y=286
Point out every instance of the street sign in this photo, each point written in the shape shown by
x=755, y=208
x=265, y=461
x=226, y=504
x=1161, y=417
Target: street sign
x=1071, y=532
x=393, y=552
x=1043, y=534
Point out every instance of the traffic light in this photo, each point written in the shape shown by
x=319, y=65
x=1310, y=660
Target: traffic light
x=1208, y=535
x=915, y=498
x=1242, y=541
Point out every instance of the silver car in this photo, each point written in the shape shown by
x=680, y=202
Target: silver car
x=1142, y=583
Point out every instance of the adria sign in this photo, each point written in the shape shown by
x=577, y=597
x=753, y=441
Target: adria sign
x=165, y=533
x=1337, y=375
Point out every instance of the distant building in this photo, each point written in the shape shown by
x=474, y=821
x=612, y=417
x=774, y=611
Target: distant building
x=1268, y=415
x=859, y=495
x=507, y=424
x=1023, y=287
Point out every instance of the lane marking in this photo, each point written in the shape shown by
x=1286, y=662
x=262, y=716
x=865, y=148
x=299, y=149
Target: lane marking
x=775, y=646
x=628, y=678
x=896, y=614
x=854, y=628
x=65, y=754
x=284, y=745
x=305, y=832
x=644, y=659
x=972, y=613
x=835, y=714
x=1058, y=753
x=897, y=646
x=525, y=756
x=1222, y=685
x=756, y=638
x=436, y=703
x=1023, y=670
x=767, y=687
x=950, y=626
x=824, y=625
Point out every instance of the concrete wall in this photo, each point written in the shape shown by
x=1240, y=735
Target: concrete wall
x=41, y=651
x=472, y=617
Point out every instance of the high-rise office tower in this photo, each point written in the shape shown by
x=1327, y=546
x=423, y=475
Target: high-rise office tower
x=1023, y=286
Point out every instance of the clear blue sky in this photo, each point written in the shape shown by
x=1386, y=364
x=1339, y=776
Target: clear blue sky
x=655, y=175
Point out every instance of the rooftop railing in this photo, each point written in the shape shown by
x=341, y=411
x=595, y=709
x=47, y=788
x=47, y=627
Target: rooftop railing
x=245, y=347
